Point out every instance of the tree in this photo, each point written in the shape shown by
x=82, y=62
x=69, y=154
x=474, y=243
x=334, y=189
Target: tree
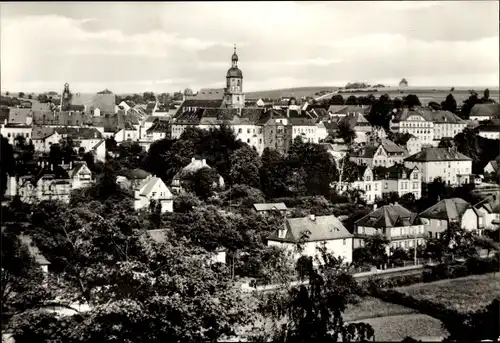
x=450, y=104
x=377, y=247
x=398, y=103
x=273, y=174
x=381, y=112
x=7, y=93
x=468, y=104
x=446, y=143
x=20, y=95
x=337, y=99
x=30, y=96
x=22, y=278
x=6, y=163
x=188, y=92
x=352, y=100
x=435, y=106
x=486, y=95
x=245, y=166
x=314, y=312
x=347, y=133
x=411, y=101
x=162, y=291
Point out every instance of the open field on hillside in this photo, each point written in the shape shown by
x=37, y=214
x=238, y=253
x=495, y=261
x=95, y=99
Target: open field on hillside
x=370, y=307
x=396, y=328
x=298, y=92
x=464, y=294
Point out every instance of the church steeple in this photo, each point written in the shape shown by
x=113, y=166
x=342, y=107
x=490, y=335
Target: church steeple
x=234, y=58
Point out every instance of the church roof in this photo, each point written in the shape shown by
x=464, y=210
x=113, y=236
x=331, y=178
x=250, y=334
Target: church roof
x=234, y=72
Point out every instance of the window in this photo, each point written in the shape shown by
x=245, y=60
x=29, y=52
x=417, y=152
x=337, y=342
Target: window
x=260, y=130
x=248, y=130
x=415, y=176
x=8, y=134
x=238, y=98
x=386, y=185
x=260, y=141
x=153, y=194
x=344, y=241
x=248, y=140
x=239, y=130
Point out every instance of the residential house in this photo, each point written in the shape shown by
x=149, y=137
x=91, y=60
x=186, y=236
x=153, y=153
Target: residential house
x=20, y=116
x=488, y=211
x=384, y=153
x=453, y=167
x=400, y=226
x=359, y=124
x=194, y=166
x=305, y=128
x=454, y=210
x=160, y=236
x=266, y=208
x=151, y=107
x=13, y=130
x=80, y=175
x=344, y=110
x=153, y=189
x=161, y=129
x=491, y=130
x=106, y=103
x=99, y=151
x=48, y=184
x=493, y=166
x=316, y=231
x=43, y=137
x=336, y=150
x=364, y=180
x=482, y=112
x=415, y=123
x=446, y=124
x=400, y=180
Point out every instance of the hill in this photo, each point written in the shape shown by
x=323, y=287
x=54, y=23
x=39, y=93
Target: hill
x=298, y=92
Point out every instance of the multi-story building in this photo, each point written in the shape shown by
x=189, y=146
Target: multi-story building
x=384, y=153
x=453, y=167
x=359, y=124
x=153, y=189
x=316, y=231
x=400, y=226
x=437, y=218
x=481, y=112
x=365, y=181
x=491, y=130
x=12, y=130
x=415, y=123
x=400, y=180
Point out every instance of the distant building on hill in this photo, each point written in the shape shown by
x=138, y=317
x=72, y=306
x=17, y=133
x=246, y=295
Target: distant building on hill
x=403, y=83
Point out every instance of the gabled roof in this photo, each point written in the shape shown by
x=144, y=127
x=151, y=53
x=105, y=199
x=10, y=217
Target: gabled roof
x=391, y=147
x=437, y=155
x=149, y=185
x=77, y=166
x=159, y=126
x=321, y=228
x=189, y=117
x=280, y=206
x=429, y=115
x=79, y=132
x=42, y=132
x=105, y=102
x=336, y=108
x=19, y=115
x=356, y=119
x=209, y=94
x=215, y=103
x=490, y=203
x=495, y=165
x=485, y=110
x=395, y=172
x=388, y=216
x=302, y=121
x=446, y=209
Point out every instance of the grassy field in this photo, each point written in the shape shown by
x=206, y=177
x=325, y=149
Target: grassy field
x=298, y=92
x=417, y=326
x=370, y=307
x=464, y=294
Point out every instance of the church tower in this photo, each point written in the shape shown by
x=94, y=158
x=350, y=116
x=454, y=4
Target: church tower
x=233, y=95
x=65, y=98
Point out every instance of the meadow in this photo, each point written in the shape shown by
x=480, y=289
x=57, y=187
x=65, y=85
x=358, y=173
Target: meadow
x=465, y=294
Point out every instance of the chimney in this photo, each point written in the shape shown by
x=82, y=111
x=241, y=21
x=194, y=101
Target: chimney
x=204, y=162
x=374, y=207
x=70, y=165
x=192, y=159
x=395, y=203
x=51, y=167
x=312, y=217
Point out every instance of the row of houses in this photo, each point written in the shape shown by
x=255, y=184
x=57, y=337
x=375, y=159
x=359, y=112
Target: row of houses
x=403, y=228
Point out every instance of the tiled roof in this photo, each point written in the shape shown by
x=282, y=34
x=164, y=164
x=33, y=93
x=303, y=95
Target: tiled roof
x=437, y=155
x=493, y=127
x=485, y=110
x=321, y=228
x=490, y=204
x=42, y=132
x=19, y=115
x=149, y=185
x=336, y=108
x=390, y=146
x=159, y=126
x=368, y=151
x=495, y=165
x=158, y=235
x=40, y=107
x=105, y=102
x=189, y=117
x=79, y=133
x=395, y=172
x=302, y=121
x=209, y=94
x=356, y=119
x=448, y=209
x=280, y=206
x=215, y=103
x=429, y=115
x=388, y=216
x=63, y=118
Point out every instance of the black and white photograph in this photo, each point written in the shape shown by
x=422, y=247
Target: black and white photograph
x=250, y=171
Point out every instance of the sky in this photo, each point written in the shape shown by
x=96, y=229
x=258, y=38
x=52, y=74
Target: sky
x=169, y=46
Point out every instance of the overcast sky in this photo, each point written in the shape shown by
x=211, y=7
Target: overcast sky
x=163, y=47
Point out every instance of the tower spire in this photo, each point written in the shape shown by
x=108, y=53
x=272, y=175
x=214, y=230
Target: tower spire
x=235, y=48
